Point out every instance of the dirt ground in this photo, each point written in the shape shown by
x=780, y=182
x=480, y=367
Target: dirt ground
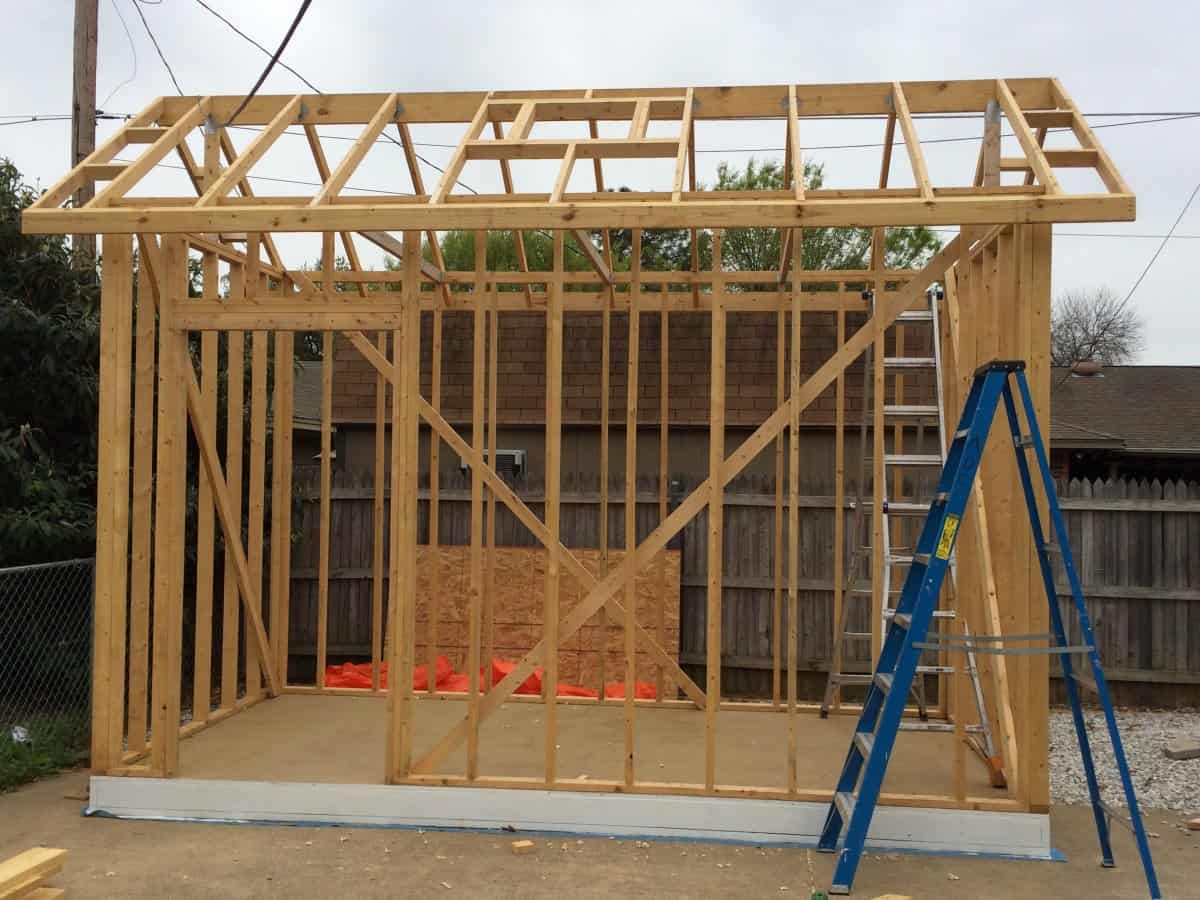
x=110, y=858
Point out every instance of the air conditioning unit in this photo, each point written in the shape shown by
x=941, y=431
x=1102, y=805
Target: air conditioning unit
x=508, y=462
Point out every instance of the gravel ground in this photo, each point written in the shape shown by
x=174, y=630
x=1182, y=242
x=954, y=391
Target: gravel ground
x=1161, y=783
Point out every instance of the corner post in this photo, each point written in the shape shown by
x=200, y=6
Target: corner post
x=112, y=504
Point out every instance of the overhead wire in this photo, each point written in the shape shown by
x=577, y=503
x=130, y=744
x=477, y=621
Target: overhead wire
x=62, y=117
x=274, y=59
x=137, y=5
x=385, y=137
x=1159, y=250
x=946, y=140
x=382, y=191
x=132, y=53
x=1143, y=118
x=247, y=37
x=864, y=146
x=29, y=119
x=1155, y=117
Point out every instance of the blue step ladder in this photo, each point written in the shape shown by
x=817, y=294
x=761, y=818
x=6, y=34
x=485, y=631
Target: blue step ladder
x=855, y=799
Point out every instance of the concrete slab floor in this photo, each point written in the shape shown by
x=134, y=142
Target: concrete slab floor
x=110, y=858
x=341, y=740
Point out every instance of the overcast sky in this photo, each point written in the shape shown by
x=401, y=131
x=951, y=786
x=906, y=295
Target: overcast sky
x=1113, y=58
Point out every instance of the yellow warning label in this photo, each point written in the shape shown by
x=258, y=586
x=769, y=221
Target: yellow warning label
x=946, y=541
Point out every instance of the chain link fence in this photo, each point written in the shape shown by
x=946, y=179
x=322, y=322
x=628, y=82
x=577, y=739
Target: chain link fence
x=45, y=668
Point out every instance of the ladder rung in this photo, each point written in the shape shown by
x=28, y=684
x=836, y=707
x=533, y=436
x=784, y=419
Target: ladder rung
x=912, y=459
x=884, y=680
x=922, y=558
x=1024, y=441
x=941, y=497
x=904, y=508
x=910, y=362
x=857, y=635
x=1052, y=547
x=910, y=412
x=851, y=679
x=844, y=800
x=935, y=670
x=904, y=620
x=1118, y=813
x=865, y=741
x=937, y=613
x=899, y=559
x=937, y=727
x=961, y=433
x=915, y=315
x=1085, y=681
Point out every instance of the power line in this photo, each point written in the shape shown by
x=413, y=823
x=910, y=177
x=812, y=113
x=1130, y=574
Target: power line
x=29, y=119
x=1112, y=318
x=54, y=117
x=384, y=137
x=132, y=52
x=316, y=184
x=390, y=139
x=950, y=140
x=1154, y=258
x=247, y=37
x=374, y=190
x=1165, y=116
x=137, y=4
x=274, y=59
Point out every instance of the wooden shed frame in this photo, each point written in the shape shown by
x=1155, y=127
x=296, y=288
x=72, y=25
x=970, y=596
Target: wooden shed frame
x=996, y=279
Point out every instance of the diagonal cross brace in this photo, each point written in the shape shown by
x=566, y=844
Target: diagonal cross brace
x=524, y=514
x=606, y=588
x=247, y=590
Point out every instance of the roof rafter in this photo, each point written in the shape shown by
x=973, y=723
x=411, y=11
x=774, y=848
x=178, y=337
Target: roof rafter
x=1033, y=106
x=253, y=153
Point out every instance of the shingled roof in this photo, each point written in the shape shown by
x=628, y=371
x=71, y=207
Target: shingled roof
x=307, y=411
x=1138, y=409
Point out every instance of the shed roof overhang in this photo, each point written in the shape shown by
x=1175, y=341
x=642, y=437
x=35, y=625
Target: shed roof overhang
x=498, y=126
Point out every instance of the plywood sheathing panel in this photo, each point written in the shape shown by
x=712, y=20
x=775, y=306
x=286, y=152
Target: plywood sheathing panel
x=518, y=603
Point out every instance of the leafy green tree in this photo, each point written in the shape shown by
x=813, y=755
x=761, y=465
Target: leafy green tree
x=458, y=249
x=757, y=249
x=49, y=385
x=744, y=249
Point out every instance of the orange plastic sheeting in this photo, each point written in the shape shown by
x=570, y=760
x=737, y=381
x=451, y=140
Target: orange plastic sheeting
x=358, y=675
x=641, y=690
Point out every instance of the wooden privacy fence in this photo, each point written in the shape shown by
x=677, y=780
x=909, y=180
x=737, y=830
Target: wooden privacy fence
x=1136, y=544
x=1137, y=549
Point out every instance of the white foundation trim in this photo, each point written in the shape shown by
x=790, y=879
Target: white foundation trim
x=741, y=820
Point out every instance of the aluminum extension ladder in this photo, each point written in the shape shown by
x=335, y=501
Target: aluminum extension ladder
x=896, y=559
x=857, y=792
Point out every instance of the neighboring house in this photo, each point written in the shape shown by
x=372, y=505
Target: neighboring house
x=1126, y=422
x=750, y=392
x=306, y=415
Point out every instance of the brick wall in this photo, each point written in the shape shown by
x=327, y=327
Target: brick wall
x=750, y=367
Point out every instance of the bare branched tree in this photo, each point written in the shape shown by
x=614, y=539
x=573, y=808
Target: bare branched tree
x=1094, y=325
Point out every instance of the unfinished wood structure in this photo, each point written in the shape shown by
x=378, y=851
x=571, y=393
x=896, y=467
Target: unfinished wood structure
x=161, y=419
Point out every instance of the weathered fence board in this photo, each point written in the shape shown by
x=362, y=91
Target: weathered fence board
x=1136, y=544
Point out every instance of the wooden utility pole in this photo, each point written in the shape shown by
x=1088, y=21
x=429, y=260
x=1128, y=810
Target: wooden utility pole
x=83, y=116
